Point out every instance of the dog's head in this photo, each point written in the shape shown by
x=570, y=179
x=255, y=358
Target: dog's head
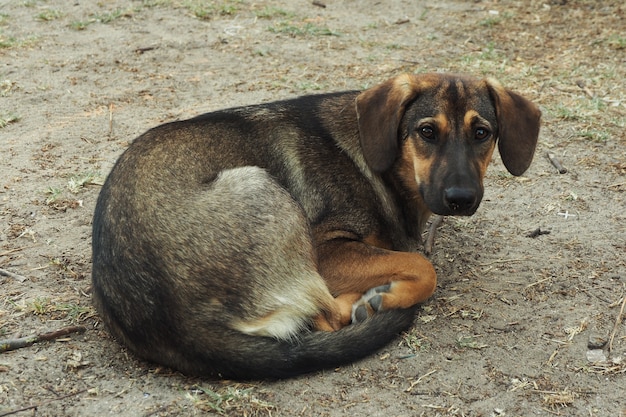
x=438, y=133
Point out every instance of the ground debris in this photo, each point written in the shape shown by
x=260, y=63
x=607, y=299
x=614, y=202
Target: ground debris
x=22, y=342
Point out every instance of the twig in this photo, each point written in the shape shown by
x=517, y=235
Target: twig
x=13, y=251
x=547, y=410
x=10, y=274
x=432, y=232
x=581, y=84
x=140, y=51
x=560, y=392
x=556, y=352
x=618, y=320
x=408, y=61
x=502, y=261
x=538, y=282
x=13, y=344
x=617, y=184
x=319, y=4
x=110, y=119
x=537, y=232
x=616, y=302
x=557, y=164
x=418, y=380
x=35, y=406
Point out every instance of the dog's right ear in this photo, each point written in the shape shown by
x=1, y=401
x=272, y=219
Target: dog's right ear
x=379, y=112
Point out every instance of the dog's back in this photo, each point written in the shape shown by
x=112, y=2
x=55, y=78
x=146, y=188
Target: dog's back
x=204, y=262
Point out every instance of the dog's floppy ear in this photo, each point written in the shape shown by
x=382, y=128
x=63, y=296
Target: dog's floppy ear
x=379, y=112
x=518, y=127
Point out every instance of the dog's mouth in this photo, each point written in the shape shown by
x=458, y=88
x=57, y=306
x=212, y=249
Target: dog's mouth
x=455, y=211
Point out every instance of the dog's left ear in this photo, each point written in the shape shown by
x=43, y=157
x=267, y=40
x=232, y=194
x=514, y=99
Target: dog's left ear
x=518, y=127
x=379, y=112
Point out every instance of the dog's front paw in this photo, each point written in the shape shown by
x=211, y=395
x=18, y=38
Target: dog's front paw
x=370, y=303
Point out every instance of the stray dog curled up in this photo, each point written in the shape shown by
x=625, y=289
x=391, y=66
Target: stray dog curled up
x=273, y=240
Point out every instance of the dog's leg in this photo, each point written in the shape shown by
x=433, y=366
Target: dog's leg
x=366, y=279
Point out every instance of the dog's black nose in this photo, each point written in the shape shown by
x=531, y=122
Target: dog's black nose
x=459, y=200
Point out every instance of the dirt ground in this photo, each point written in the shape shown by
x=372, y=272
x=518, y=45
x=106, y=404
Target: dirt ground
x=519, y=325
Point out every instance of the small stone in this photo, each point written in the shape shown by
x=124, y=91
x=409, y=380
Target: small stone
x=596, y=341
x=596, y=355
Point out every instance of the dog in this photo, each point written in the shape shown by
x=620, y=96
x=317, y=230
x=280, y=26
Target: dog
x=277, y=239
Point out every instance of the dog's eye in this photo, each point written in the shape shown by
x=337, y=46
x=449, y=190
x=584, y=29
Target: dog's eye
x=427, y=132
x=481, y=133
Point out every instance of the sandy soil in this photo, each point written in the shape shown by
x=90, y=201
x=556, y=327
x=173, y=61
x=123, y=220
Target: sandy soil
x=519, y=325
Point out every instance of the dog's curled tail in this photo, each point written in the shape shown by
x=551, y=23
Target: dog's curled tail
x=266, y=358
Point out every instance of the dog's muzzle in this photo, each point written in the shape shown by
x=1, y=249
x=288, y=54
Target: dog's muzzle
x=460, y=201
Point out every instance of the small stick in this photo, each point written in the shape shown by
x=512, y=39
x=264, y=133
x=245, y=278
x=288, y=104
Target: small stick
x=145, y=49
x=617, y=184
x=556, y=352
x=537, y=232
x=581, y=84
x=557, y=164
x=319, y=4
x=408, y=61
x=418, y=380
x=618, y=320
x=35, y=406
x=110, y=119
x=502, y=261
x=538, y=282
x=432, y=232
x=13, y=344
x=10, y=274
x=13, y=251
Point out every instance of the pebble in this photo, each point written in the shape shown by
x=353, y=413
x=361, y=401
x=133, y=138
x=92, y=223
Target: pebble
x=596, y=355
x=596, y=341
